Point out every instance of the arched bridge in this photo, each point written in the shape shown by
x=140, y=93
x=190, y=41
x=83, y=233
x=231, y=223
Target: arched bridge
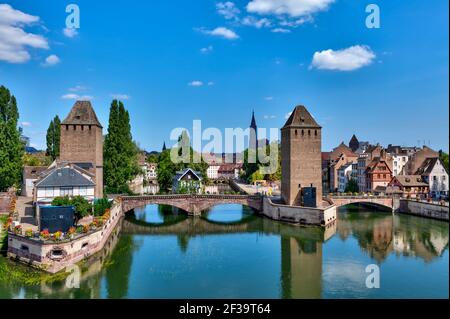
x=383, y=202
x=193, y=204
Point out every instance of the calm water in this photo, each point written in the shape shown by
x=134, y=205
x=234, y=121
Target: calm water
x=231, y=253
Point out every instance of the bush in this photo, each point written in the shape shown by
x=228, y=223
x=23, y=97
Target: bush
x=101, y=206
x=81, y=205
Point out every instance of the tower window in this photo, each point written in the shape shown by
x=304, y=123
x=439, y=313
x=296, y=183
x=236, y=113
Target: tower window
x=309, y=132
x=296, y=133
x=67, y=127
x=74, y=127
x=315, y=132
x=303, y=132
x=90, y=127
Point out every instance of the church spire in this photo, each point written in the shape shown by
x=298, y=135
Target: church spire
x=164, y=146
x=253, y=123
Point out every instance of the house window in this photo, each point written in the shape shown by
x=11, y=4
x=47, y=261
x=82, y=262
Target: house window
x=66, y=191
x=83, y=191
x=49, y=192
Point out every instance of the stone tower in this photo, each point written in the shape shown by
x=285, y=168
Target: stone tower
x=301, y=153
x=82, y=142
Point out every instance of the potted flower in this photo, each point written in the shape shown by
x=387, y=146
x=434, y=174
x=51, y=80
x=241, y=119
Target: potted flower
x=18, y=230
x=86, y=229
x=45, y=234
x=57, y=236
x=29, y=233
x=72, y=231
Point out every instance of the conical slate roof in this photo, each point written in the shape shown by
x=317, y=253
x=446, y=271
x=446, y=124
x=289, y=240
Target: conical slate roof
x=300, y=117
x=82, y=113
x=253, y=123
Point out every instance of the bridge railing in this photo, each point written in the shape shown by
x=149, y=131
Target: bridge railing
x=359, y=197
x=190, y=196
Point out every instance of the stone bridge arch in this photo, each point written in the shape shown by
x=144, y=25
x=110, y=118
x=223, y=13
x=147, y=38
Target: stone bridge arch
x=382, y=202
x=193, y=204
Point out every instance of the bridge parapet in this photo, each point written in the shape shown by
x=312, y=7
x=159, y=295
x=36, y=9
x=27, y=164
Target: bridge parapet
x=193, y=204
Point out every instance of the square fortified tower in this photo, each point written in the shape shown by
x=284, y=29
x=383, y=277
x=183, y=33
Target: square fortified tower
x=301, y=160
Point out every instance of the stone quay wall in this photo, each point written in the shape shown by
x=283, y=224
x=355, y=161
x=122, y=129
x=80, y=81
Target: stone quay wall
x=423, y=209
x=299, y=215
x=55, y=256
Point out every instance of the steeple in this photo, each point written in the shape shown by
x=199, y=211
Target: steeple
x=164, y=146
x=253, y=123
x=354, y=143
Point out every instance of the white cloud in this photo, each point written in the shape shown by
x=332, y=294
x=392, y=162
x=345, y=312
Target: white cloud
x=348, y=59
x=120, y=96
x=195, y=83
x=207, y=49
x=72, y=96
x=51, y=60
x=77, y=88
x=228, y=10
x=211, y=83
x=288, y=115
x=26, y=124
x=281, y=30
x=268, y=98
x=13, y=39
x=269, y=117
x=255, y=22
x=221, y=32
x=292, y=8
x=70, y=32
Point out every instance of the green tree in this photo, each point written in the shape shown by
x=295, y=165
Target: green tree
x=352, y=186
x=120, y=152
x=11, y=146
x=54, y=138
x=444, y=158
x=167, y=168
x=81, y=205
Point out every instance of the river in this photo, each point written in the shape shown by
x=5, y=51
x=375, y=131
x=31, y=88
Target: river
x=232, y=253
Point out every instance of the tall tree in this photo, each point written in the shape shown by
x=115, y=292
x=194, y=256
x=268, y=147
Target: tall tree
x=120, y=152
x=53, y=138
x=11, y=146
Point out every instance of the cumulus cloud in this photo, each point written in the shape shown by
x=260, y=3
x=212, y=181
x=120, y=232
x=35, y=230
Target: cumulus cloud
x=227, y=9
x=221, y=32
x=281, y=30
x=70, y=32
x=14, y=40
x=196, y=83
x=77, y=88
x=73, y=96
x=348, y=59
x=120, y=96
x=51, y=60
x=292, y=8
x=207, y=49
x=26, y=124
x=255, y=22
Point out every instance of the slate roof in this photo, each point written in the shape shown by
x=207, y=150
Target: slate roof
x=33, y=172
x=179, y=175
x=64, y=177
x=301, y=118
x=82, y=113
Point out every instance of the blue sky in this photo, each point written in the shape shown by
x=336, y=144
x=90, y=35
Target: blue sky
x=386, y=85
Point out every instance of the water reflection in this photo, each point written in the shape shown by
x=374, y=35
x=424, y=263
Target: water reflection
x=164, y=254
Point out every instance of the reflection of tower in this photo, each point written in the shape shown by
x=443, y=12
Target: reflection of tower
x=301, y=268
x=253, y=135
